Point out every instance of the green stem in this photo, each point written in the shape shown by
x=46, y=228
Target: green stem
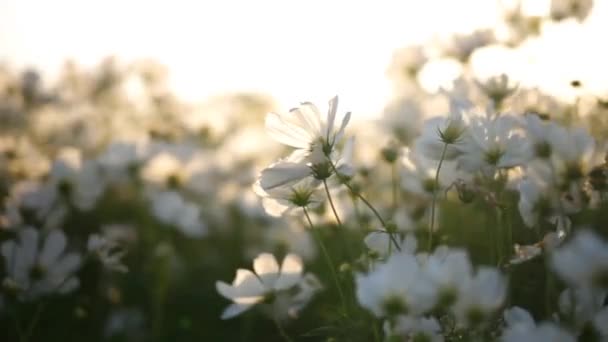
x=282, y=330
x=395, y=181
x=328, y=260
x=30, y=328
x=331, y=203
x=434, y=202
x=369, y=205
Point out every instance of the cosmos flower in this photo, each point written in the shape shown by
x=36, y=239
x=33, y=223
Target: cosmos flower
x=521, y=327
x=316, y=142
x=38, y=266
x=395, y=287
x=269, y=284
x=493, y=143
x=583, y=261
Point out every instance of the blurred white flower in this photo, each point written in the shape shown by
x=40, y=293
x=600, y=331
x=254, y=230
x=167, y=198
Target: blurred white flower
x=480, y=298
x=268, y=282
x=108, y=252
x=450, y=272
x=395, y=287
x=581, y=305
x=418, y=173
x=40, y=266
x=524, y=329
x=171, y=208
x=402, y=119
x=413, y=328
x=441, y=131
x=497, y=88
x=493, y=143
x=583, y=261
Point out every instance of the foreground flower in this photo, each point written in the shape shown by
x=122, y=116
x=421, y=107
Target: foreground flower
x=493, y=143
x=583, y=261
x=416, y=329
x=316, y=143
x=443, y=133
x=481, y=297
x=522, y=328
x=283, y=200
x=303, y=128
x=36, y=268
x=394, y=288
x=269, y=284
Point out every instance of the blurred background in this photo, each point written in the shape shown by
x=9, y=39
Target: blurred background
x=143, y=121
x=293, y=51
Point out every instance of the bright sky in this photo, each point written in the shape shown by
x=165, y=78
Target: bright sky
x=294, y=50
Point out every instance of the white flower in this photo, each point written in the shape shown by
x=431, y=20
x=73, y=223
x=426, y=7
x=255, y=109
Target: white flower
x=535, y=200
x=416, y=329
x=395, y=287
x=574, y=154
x=107, y=251
x=481, y=297
x=450, y=272
x=540, y=133
x=518, y=319
x=418, y=173
x=249, y=289
x=439, y=131
x=600, y=322
x=581, y=305
x=315, y=142
x=561, y=9
x=497, y=88
x=303, y=128
x=402, y=119
x=545, y=331
x=299, y=166
x=171, y=208
x=40, y=266
x=282, y=200
x=582, y=261
x=493, y=143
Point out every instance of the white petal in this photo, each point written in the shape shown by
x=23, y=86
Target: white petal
x=225, y=290
x=286, y=132
x=235, y=310
x=54, y=245
x=247, y=284
x=267, y=269
x=291, y=272
x=29, y=246
x=340, y=132
x=282, y=173
x=273, y=207
x=66, y=265
x=308, y=115
x=69, y=285
x=331, y=115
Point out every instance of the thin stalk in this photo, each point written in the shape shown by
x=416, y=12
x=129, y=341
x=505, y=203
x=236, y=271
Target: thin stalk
x=434, y=202
x=395, y=183
x=328, y=260
x=30, y=328
x=331, y=203
x=369, y=205
x=282, y=330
